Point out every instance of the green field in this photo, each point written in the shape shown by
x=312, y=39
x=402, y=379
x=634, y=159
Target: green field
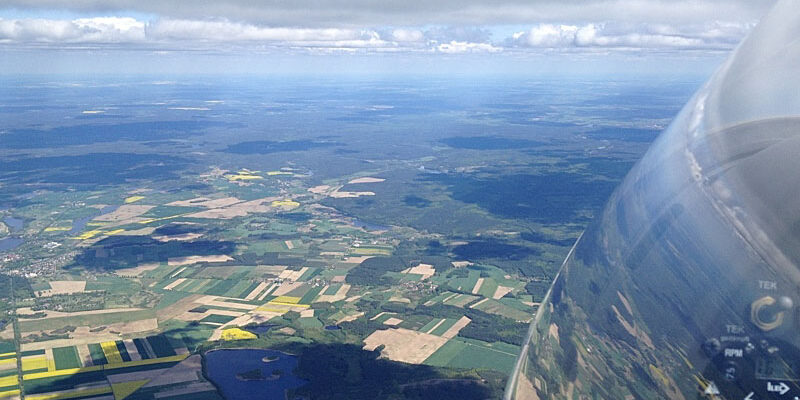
x=488, y=287
x=161, y=272
x=98, y=357
x=123, y=351
x=496, y=307
x=237, y=289
x=252, y=286
x=221, y=288
x=169, y=211
x=218, y=319
x=169, y=297
x=465, y=284
x=180, y=333
x=470, y=353
x=310, y=273
x=192, y=285
x=309, y=322
x=160, y=346
x=216, y=287
x=453, y=299
x=460, y=300
x=309, y=296
x=430, y=325
x=441, y=329
x=91, y=320
x=7, y=347
x=384, y=317
x=112, y=284
x=66, y=357
x=332, y=289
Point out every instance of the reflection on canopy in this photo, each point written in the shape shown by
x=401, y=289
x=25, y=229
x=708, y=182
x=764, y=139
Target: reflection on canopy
x=687, y=285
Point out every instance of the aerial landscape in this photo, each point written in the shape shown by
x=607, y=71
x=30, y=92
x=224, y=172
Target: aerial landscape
x=297, y=233
x=149, y=226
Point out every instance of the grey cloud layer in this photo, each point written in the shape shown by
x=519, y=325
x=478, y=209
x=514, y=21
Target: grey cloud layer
x=357, y=13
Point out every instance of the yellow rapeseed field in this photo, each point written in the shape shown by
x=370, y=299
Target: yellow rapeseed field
x=285, y=203
x=241, y=177
x=88, y=234
x=8, y=381
x=286, y=299
x=57, y=228
x=237, y=334
x=32, y=363
x=9, y=393
x=124, y=389
x=73, y=371
x=112, y=352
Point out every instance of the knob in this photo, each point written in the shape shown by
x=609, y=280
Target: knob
x=767, y=313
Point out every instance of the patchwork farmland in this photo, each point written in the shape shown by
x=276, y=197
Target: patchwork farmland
x=163, y=277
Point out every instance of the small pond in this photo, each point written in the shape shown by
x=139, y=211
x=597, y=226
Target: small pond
x=370, y=227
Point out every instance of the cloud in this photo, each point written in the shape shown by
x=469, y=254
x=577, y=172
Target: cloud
x=710, y=36
x=215, y=35
x=226, y=31
x=359, y=13
x=169, y=32
x=83, y=30
x=408, y=35
x=455, y=47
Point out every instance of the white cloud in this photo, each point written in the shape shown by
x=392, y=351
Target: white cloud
x=230, y=31
x=177, y=34
x=547, y=35
x=455, y=47
x=84, y=30
x=408, y=35
x=112, y=30
x=713, y=36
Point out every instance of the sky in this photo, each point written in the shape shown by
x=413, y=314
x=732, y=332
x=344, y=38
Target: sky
x=372, y=36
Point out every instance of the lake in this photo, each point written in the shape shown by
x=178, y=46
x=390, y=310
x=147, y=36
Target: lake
x=14, y=224
x=9, y=243
x=225, y=366
x=370, y=227
x=79, y=224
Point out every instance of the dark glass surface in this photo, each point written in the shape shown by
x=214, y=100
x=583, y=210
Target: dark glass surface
x=687, y=285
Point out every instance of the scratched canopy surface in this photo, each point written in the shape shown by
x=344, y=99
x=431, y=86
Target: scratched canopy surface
x=687, y=286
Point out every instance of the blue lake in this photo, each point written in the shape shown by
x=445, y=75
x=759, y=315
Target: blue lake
x=224, y=366
x=79, y=224
x=9, y=243
x=14, y=224
x=370, y=227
